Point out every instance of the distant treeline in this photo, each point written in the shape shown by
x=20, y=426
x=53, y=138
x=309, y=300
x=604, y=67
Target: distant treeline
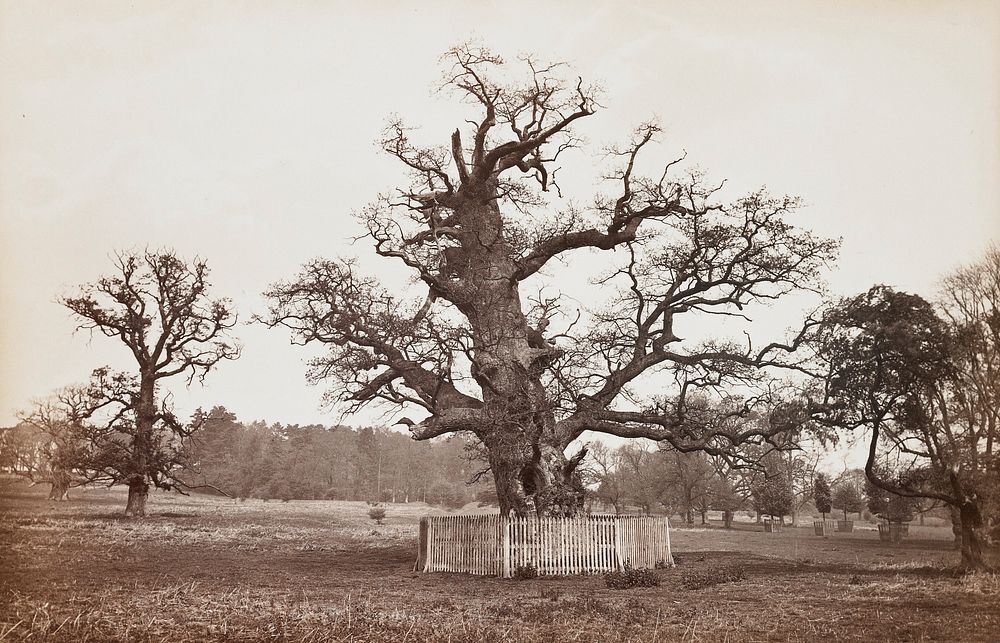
x=310, y=462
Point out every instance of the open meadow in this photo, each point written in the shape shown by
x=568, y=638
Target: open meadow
x=203, y=568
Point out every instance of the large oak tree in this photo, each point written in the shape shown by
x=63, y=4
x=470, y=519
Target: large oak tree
x=476, y=222
x=158, y=305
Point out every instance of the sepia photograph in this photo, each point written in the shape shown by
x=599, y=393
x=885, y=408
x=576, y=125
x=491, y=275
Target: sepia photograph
x=653, y=320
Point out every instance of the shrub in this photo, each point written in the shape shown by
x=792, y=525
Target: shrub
x=449, y=495
x=711, y=577
x=525, y=572
x=377, y=514
x=629, y=578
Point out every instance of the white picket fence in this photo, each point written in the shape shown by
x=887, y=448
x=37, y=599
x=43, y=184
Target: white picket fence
x=492, y=545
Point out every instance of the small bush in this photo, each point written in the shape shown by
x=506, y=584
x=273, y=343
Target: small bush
x=629, y=578
x=377, y=514
x=525, y=572
x=663, y=564
x=712, y=577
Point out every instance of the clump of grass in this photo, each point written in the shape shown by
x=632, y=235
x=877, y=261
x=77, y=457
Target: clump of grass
x=912, y=566
x=986, y=583
x=713, y=577
x=588, y=606
x=629, y=578
x=525, y=572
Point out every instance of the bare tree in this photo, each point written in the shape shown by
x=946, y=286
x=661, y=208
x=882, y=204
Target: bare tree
x=21, y=449
x=686, y=481
x=59, y=421
x=158, y=306
x=524, y=376
x=609, y=475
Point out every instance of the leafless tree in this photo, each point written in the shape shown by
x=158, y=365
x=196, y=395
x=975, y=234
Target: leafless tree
x=59, y=422
x=158, y=306
x=527, y=378
x=607, y=467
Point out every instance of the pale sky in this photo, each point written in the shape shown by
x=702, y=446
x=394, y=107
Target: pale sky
x=244, y=133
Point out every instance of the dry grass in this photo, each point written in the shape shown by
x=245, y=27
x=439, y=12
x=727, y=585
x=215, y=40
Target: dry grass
x=206, y=569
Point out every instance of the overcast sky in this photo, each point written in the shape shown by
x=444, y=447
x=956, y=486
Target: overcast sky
x=244, y=133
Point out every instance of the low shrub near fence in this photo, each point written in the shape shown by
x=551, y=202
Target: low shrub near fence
x=497, y=546
x=630, y=578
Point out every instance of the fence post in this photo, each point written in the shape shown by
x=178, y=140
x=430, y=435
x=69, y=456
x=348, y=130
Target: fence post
x=432, y=551
x=505, y=524
x=422, y=547
x=670, y=553
x=618, y=544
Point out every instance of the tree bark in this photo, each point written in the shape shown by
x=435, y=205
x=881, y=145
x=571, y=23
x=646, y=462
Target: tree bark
x=956, y=526
x=145, y=418
x=531, y=472
x=138, y=492
x=727, y=519
x=972, y=537
x=60, y=488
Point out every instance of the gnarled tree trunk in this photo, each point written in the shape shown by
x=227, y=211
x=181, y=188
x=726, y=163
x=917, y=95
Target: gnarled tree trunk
x=138, y=492
x=60, y=490
x=530, y=469
x=956, y=526
x=972, y=531
x=142, y=445
x=60, y=487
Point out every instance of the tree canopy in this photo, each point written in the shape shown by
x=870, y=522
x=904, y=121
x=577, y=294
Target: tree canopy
x=922, y=378
x=482, y=214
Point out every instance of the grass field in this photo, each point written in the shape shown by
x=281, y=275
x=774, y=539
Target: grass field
x=214, y=569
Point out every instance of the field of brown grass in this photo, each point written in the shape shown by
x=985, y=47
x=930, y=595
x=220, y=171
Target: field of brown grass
x=203, y=568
